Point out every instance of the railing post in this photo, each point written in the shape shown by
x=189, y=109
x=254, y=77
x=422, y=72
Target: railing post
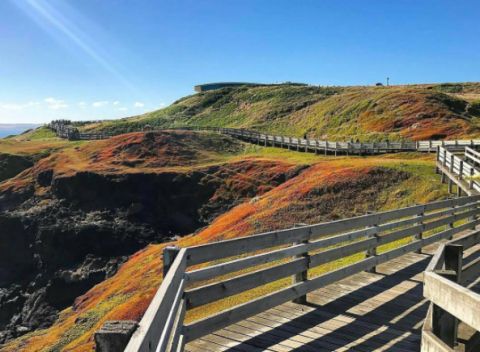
x=302, y=276
x=460, y=172
x=114, y=335
x=445, y=325
x=419, y=236
x=470, y=183
x=372, y=252
x=169, y=255
x=437, y=170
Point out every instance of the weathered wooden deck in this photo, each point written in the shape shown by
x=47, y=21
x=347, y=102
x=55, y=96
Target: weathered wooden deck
x=341, y=317
x=348, y=308
x=382, y=311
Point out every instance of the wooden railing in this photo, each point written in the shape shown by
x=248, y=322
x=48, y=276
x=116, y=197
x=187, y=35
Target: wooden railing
x=303, y=144
x=472, y=156
x=446, y=283
x=254, y=261
x=458, y=170
x=161, y=326
x=325, y=147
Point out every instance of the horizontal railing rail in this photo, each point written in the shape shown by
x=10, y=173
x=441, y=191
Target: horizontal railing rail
x=472, y=156
x=446, y=286
x=304, y=144
x=161, y=326
x=206, y=274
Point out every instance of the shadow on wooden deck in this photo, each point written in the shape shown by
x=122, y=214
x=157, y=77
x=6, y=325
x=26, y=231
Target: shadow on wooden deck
x=366, y=312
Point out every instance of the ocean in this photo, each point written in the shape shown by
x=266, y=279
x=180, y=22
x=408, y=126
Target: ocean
x=9, y=129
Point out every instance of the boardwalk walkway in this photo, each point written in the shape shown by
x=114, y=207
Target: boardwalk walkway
x=382, y=311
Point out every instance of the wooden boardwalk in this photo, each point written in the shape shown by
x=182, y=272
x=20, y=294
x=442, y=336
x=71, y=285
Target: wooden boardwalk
x=349, y=308
x=381, y=311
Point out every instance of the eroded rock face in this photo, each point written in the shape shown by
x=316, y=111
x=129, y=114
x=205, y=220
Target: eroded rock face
x=57, y=245
x=11, y=165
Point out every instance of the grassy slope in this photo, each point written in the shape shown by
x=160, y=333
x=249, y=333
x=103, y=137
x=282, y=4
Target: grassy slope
x=128, y=153
x=337, y=113
x=37, y=143
x=330, y=188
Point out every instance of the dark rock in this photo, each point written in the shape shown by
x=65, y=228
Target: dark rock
x=12, y=165
x=55, y=247
x=44, y=178
x=114, y=335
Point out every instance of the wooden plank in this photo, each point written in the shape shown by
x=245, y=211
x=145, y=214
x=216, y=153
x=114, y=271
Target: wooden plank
x=453, y=298
x=415, y=245
x=224, y=249
x=229, y=316
x=232, y=315
x=468, y=240
x=152, y=325
x=218, y=290
x=218, y=250
x=176, y=340
x=430, y=342
x=242, y=263
x=343, y=251
x=251, y=342
x=471, y=271
x=356, y=332
x=339, y=317
x=437, y=260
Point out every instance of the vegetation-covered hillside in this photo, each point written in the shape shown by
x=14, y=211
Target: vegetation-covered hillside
x=336, y=113
x=84, y=223
x=273, y=189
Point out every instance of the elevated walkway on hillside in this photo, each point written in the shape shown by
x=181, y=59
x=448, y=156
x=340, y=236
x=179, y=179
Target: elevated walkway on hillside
x=357, y=286
x=381, y=311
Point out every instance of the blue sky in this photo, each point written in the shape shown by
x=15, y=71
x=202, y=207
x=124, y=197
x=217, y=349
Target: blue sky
x=94, y=59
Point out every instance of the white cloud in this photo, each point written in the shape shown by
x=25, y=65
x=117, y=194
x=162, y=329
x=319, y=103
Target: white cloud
x=139, y=104
x=122, y=109
x=116, y=102
x=11, y=106
x=82, y=104
x=99, y=104
x=55, y=104
x=16, y=106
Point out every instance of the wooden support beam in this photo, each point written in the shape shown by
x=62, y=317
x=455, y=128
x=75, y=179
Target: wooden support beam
x=444, y=324
x=169, y=255
x=303, y=275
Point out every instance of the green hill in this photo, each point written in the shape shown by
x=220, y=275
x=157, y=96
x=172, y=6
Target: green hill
x=337, y=113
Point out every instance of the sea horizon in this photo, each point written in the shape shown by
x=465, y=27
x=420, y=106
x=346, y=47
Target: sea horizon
x=8, y=129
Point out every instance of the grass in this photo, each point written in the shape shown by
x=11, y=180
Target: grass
x=336, y=113
x=326, y=188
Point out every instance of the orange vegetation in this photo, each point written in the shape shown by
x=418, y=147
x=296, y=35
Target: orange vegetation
x=326, y=190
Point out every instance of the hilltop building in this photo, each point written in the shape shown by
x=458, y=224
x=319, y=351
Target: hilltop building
x=211, y=86
x=218, y=85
